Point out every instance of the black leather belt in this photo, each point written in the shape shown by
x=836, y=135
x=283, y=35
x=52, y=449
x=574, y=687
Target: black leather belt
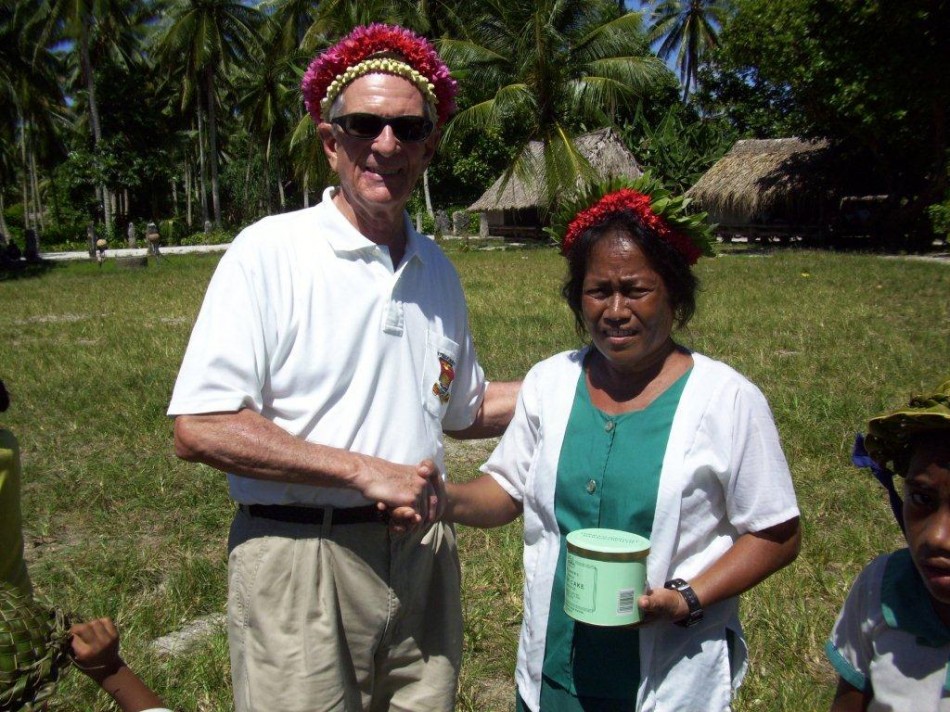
x=314, y=515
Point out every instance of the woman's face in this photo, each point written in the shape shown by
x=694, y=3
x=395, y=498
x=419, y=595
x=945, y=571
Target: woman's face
x=625, y=305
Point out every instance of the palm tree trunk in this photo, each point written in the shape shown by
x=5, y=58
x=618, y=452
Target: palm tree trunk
x=247, y=179
x=4, y=230
x=203, y=173
x=425, y=190
x=306, y=189
x=188, y=191
x=268, y=175
x=94, y=118
x=37, y=199
x=213, y=150
x=23, y=181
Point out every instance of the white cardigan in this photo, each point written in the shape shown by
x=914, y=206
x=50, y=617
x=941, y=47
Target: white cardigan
x=724, y=474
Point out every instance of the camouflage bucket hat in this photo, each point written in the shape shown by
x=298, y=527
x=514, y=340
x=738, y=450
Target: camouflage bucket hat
x=890, y=435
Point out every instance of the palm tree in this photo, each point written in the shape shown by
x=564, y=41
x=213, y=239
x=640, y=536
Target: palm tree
x=690, y=29
x=76, y=20
x=31, y=103
x=547, y=71
x=206, y=38
x=268, y=94
x=291, y=20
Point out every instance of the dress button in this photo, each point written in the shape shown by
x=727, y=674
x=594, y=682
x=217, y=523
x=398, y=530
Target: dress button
x=591, y=486
x=609, y=426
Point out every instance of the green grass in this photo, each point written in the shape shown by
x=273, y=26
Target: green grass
x=117, y=526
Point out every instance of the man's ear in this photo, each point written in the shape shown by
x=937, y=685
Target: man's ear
x=328, y=139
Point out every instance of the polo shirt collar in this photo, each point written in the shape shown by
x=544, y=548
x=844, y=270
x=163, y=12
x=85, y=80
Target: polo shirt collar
x=906, y=605
x=345, y=238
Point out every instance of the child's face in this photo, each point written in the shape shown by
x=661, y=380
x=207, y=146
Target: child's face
x=927, y=515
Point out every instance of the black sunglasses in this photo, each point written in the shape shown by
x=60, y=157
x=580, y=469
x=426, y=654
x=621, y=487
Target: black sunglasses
x=409, y=129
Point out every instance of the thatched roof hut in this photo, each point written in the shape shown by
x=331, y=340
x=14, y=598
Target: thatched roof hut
x=515, y=208
x=785, y=182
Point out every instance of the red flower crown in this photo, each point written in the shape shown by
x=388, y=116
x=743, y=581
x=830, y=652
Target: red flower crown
x=640, y=204
x=364, y=42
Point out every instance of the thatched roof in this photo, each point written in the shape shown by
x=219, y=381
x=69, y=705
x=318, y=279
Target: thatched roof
x=604, y=150
x=766, y=181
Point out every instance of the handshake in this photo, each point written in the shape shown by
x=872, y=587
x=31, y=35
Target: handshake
x=412, y=495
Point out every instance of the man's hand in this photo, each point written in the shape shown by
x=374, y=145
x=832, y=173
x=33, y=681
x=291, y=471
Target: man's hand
x=393, y=485
x=428, y=509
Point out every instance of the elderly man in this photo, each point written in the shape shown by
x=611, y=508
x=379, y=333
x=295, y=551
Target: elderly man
x=331, y=352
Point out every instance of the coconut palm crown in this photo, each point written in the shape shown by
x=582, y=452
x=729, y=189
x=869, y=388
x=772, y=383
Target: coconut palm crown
x=548, y=71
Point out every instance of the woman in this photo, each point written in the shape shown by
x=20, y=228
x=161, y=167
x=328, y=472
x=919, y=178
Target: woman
x=637, y=433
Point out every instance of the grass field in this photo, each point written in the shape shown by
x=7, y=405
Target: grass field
x=115, y=525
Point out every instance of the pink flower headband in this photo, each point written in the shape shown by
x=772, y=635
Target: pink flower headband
x=381, y=48
x=659, y=213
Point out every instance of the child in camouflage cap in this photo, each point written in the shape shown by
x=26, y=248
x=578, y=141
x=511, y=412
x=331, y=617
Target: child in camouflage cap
x=891, y=642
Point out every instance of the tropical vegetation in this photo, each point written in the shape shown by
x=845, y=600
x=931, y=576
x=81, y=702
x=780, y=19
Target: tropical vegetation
x=188, y=112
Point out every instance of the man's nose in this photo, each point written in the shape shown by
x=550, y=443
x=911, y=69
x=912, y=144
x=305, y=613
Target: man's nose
x=386, y=142
x=938, y=531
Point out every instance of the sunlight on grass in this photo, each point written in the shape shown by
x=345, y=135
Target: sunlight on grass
x=116, y=525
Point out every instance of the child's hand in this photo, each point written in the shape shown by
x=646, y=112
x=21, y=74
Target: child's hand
x=95, y=646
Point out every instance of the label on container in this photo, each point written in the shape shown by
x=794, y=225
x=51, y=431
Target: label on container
x=581, y=586
x=626, y=601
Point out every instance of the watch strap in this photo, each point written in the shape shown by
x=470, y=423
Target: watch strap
x=692, y=602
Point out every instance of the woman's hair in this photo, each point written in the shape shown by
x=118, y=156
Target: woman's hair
x=680, y=282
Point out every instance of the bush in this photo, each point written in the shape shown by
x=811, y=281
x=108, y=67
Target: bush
x=172, y=231
x=940, y=218
x=215, y=237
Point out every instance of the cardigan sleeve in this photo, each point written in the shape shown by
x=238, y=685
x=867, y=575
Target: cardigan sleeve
x=511, y=460
x=757, y=483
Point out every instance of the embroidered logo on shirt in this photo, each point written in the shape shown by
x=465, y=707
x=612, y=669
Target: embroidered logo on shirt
x=441, y=387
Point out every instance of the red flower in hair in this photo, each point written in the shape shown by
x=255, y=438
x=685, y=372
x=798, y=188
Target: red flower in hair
x=639, y=204
x=366, y=41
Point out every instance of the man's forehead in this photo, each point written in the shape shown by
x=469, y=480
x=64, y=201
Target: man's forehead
x=384, y=91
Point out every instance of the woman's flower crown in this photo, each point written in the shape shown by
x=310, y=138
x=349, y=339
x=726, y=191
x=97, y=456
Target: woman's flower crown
x=658, y=211
x=379, y=48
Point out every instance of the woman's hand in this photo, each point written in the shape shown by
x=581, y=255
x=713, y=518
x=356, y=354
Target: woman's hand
x=754, y=557
x=662, y=604
x=430, y=505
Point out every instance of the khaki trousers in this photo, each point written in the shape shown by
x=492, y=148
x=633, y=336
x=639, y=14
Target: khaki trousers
x=347, y=618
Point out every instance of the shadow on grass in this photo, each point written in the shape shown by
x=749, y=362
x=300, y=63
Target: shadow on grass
x=21, y=269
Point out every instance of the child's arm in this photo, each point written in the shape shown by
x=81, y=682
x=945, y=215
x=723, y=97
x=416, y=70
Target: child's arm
x=848, y=698
x=96, y=652
x=480, y=503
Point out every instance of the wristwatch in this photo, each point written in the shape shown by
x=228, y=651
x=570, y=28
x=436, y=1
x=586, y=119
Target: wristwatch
x=692, y=601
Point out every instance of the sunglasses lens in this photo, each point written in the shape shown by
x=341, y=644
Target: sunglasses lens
x=369, y=126
x=362, y=125
x=411, y=128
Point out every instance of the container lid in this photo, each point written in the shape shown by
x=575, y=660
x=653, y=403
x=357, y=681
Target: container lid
x=608, y=544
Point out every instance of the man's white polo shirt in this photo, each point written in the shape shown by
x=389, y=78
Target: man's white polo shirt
x=306, y=323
